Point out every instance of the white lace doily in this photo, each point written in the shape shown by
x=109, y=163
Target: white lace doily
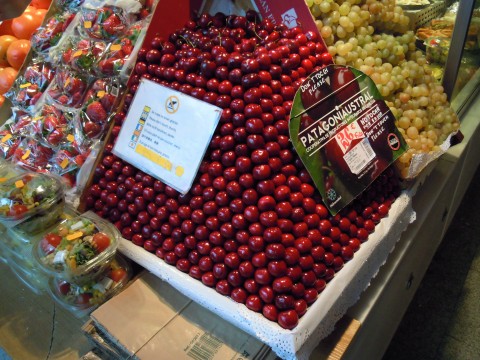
x=341, y=292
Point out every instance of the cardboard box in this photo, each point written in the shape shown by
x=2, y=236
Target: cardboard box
x=150, y=319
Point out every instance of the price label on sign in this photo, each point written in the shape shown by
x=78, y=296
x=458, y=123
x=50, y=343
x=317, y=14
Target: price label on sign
x=347, y=135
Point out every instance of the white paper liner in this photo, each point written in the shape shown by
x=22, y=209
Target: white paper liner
x=341, y=292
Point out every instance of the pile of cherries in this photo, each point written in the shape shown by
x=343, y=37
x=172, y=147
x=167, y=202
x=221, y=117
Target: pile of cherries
x=252, y=226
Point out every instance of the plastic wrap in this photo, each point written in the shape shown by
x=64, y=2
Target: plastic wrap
x=82, y=55
x=97, y=109
x=32, y=155
x=121, y=51
x=71, y=5
x=105, y=22
x=52, y=126
x=9, y=143
x=68, y=88
x=49, y=35
x=28, y=88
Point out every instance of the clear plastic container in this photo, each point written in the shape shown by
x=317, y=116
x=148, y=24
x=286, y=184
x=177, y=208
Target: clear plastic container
x=35, y=281
x=3, y=255
x=437, y=49
x=81, y=300
x=31, y=202
x=77, y=250
x=20, y=255
x=24, y=268
x=19, y=239
x=8, y=170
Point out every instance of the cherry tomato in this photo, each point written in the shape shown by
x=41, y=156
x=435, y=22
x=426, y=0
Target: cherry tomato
x=63, y=287
x=53, y=239
x=101, y=241
x=118, y=275
x=46, y=247
x=17, y=52
x=83, y=299
x=17, y=211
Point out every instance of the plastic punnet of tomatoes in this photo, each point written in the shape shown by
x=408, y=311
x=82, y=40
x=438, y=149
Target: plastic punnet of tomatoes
x=81, y=300
x=253, y=226
x=31, y=202
x=78, y=250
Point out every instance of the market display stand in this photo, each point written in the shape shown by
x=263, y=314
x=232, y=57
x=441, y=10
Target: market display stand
x=366, y=329
x=381, y=307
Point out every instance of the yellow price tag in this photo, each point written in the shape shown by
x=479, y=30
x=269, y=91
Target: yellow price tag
x=70, y=137
x=87, y=24
x=26, y=155
x=101, y=94
x=64, y=163
x=23, y=86
x=67, y=82
x=77, y=53
x=74, y=236
x=19, y=184
x=115, y=47
x=6, y=138
x=37, y=118
x=3, y=179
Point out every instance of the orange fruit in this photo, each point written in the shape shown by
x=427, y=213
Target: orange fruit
x=7, y=77
x=17, y=52
x=5, y=42
x=6, y=27
x=25, y=25
x=41, y=4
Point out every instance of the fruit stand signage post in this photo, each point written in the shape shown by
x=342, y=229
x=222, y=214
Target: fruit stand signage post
x=344, y=133
x=166, y=134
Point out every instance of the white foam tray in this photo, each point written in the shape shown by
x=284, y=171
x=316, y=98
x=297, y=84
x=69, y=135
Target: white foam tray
x=341, y=292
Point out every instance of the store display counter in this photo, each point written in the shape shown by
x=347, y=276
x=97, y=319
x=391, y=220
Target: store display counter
x=30, y=323
x=362, y=305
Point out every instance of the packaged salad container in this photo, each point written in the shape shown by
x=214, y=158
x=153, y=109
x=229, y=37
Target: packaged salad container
x=24, y=241
x=78, y=250
x=31, y=202
x=81, y=300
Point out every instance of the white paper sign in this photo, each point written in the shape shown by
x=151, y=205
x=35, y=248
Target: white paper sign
x=166, y=134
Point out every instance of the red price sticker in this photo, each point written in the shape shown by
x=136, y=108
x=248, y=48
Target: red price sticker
x=347, y=135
